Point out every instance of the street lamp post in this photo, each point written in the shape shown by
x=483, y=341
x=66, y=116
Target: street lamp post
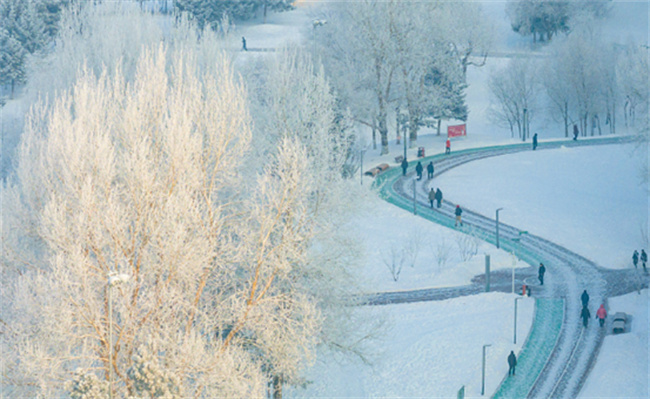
x=113, y=278
x=516, y=240
x=414, y=200
x=515, y=334
x=498, y=226
x=483, y=373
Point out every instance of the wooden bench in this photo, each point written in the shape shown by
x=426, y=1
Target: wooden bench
x=377, y=170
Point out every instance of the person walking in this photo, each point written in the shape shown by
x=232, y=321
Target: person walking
x=512, y=362
x=644, y=259
x=419, y=169
x=243, y=44
x=438, y=197
x=635, y=258
x=405, y=165
x=584, y=298
x=430, y=170
x=540, y=273
x=585, y=316
x=575, y=132
x=601, y=313
x=534, y=141
x=448, y=147
x=458, y=212
x=432, y=197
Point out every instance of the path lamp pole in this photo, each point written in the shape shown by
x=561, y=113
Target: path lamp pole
x=515, y=335
x=498, y=226
x=516, y=240
x=483, y=374
x=113, y=279
x=414, y=201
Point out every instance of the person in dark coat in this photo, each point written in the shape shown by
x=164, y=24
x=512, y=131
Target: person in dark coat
x=432, y=197
x=534, y=141
x=635, y=258
x=512, y=362
x=419, y=169
x=430, y=170
x=405, y=165
x=575, y=132
x=584, y=298
x=585, y=316
x=644, y=259
x=438, y=197
x=243, y=44
x=447, y=146
x=458, y=212
x=540, y=273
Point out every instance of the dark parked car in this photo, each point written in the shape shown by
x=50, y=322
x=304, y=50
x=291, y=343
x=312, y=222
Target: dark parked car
x=618, y=325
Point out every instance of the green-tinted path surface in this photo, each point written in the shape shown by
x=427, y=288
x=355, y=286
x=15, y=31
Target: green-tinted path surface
x=547, y=323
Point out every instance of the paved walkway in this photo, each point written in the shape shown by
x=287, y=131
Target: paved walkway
x=558, y=354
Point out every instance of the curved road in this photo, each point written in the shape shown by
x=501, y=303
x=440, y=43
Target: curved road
x=576, y=348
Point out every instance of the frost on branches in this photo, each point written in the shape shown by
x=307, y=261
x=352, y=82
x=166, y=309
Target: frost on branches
x=227, y=290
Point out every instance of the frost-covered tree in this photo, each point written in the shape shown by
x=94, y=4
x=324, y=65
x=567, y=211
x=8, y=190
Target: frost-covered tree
x=514, y=90
x=142, y=178
x=358, y=53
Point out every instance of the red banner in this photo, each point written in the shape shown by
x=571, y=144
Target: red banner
x=456, y=131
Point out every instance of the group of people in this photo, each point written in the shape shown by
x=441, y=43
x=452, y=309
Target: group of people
x=418, y=169
x=601, y=313
x=643, y=258
x=434, y=195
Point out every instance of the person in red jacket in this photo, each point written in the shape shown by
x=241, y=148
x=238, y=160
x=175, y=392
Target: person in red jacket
x=447, y=147
x=601, y=313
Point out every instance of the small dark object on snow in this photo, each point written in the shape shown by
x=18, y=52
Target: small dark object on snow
x=618, y=325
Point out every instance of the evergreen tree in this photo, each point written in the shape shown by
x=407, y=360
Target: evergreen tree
x=210, y=12
x=12, y=60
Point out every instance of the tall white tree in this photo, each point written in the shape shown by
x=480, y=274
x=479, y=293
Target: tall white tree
x=514, y=90
x=142, y=178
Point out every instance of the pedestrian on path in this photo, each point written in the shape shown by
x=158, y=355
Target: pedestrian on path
x=405, y=165
x=430, y=170
x=243, y=44
x=540, y=273
x=438, y=197
x=575, y=132
x=458, y=212
x=644, y=259
x=585, y=316
x=601, y=313
x=419, y=169
x=534, y=141
x=448, y=147
x=585, y=298
x=512, y=362
x=432, y=197
x=635, y=258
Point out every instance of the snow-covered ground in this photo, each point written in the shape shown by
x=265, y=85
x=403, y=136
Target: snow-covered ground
x=587, y=199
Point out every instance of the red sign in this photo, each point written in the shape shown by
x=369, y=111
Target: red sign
x=456, y=131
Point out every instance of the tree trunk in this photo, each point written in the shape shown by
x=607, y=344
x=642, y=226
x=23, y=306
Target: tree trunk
x=265, y=6
x=277, y=387
x=374, y=136
x=397, y=132
x=439, y=123
x=383, y=129
x=566, y=119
